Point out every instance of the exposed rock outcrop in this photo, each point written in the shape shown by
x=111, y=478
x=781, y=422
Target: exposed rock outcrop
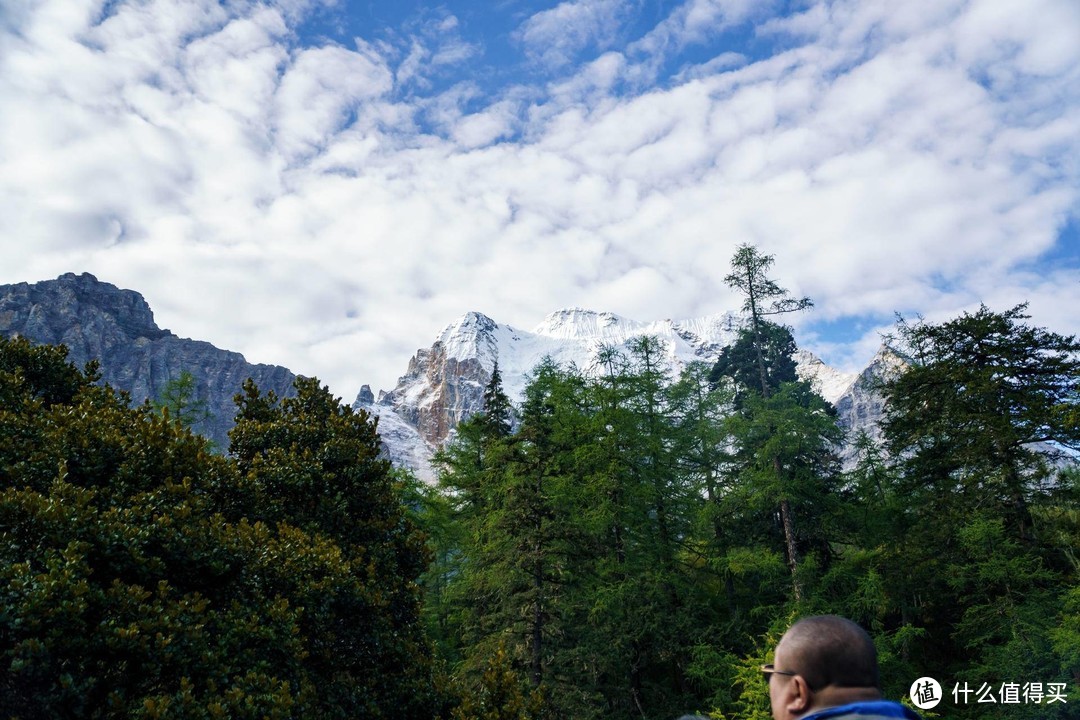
x=98, y=321
x=862, y=405
x=443, y=385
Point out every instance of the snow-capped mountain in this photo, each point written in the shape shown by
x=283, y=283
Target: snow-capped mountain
x=444, y=384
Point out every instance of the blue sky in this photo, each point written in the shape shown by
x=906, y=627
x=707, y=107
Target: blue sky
x=327, y=185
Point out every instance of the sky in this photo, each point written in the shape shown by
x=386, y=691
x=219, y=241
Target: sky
x=326, y=185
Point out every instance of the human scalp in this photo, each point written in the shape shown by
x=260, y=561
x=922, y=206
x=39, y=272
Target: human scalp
x=832, y=650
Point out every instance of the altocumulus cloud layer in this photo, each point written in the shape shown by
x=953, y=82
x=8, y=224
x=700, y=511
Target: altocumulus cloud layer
x=328, y=200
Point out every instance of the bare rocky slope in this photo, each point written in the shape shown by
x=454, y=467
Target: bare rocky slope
x=98, y=321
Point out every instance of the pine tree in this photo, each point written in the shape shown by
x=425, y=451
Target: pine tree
x=739, y=361
x=498, y=413
x=786, y=459
x=984, y=388
x=764, y=298
x=980, y=547
x=508, y=497
x=179, y=398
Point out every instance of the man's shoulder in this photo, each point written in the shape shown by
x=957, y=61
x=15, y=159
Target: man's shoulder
x=872, y=710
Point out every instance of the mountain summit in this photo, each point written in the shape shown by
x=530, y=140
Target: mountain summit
x=98, y=321
x=444, y=384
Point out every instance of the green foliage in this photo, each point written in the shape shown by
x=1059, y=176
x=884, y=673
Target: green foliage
x=1066, y=636
x=785, y=463
x=142, y=576
x=625, y=544
x=497, y=416
x=738, y=361
x=41, y=372
x=763, y=297
x=981, y=558
x=644, y=517
x=590, y=547
x=983, y=389
x=312, y=463
x=180, y=401
x=776, y=441
x=501, y=695
x=509, y=559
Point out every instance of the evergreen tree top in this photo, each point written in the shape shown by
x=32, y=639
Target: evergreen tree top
x=497, y=415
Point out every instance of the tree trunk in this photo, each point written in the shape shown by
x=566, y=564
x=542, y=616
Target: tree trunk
x=792, y=552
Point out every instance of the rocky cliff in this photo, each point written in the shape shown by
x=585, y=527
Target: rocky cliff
x=862, y=403
x=98, y=321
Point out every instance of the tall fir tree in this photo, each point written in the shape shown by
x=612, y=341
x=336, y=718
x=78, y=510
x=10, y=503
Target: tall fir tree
x=739, y=361
x=763, y=298
x=499, y=486
x=498, y=413
x=970, y=424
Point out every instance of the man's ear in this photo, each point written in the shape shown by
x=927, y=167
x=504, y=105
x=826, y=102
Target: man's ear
x=799, y=696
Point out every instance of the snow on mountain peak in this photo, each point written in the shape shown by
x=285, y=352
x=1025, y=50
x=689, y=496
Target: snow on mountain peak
x=471, y=336
x=470, y=324
x=829, y=382
x=574, y=336
x=444, y=384
x=581, y=324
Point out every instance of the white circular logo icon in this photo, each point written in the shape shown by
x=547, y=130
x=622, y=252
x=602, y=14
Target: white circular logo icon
x=925, y=693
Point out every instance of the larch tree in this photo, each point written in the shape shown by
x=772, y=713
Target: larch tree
x=764, y=298
x=973, y=426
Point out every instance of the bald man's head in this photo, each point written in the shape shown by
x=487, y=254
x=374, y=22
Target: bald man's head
x=830, y=650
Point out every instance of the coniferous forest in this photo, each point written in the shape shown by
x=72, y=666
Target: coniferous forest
x=627, y=542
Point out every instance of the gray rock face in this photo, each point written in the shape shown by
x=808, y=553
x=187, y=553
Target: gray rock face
x=98, y=321
x=443, y=385
x=452, y=389
x=365, y=396
x=861, y=407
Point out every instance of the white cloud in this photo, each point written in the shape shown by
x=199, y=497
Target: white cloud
x=989, y=28
x=485, y=127
x=433, y=47
x=312, y=206
x=555, y=37
x=317, y=93
x=694, y=21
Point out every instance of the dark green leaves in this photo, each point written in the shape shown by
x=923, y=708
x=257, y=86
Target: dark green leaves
x=142, y=576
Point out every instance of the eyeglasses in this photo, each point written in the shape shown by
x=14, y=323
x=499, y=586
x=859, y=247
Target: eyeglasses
x=768, y=671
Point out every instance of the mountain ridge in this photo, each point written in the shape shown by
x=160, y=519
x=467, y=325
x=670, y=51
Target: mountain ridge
x=96, y=320
x=442, y=385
